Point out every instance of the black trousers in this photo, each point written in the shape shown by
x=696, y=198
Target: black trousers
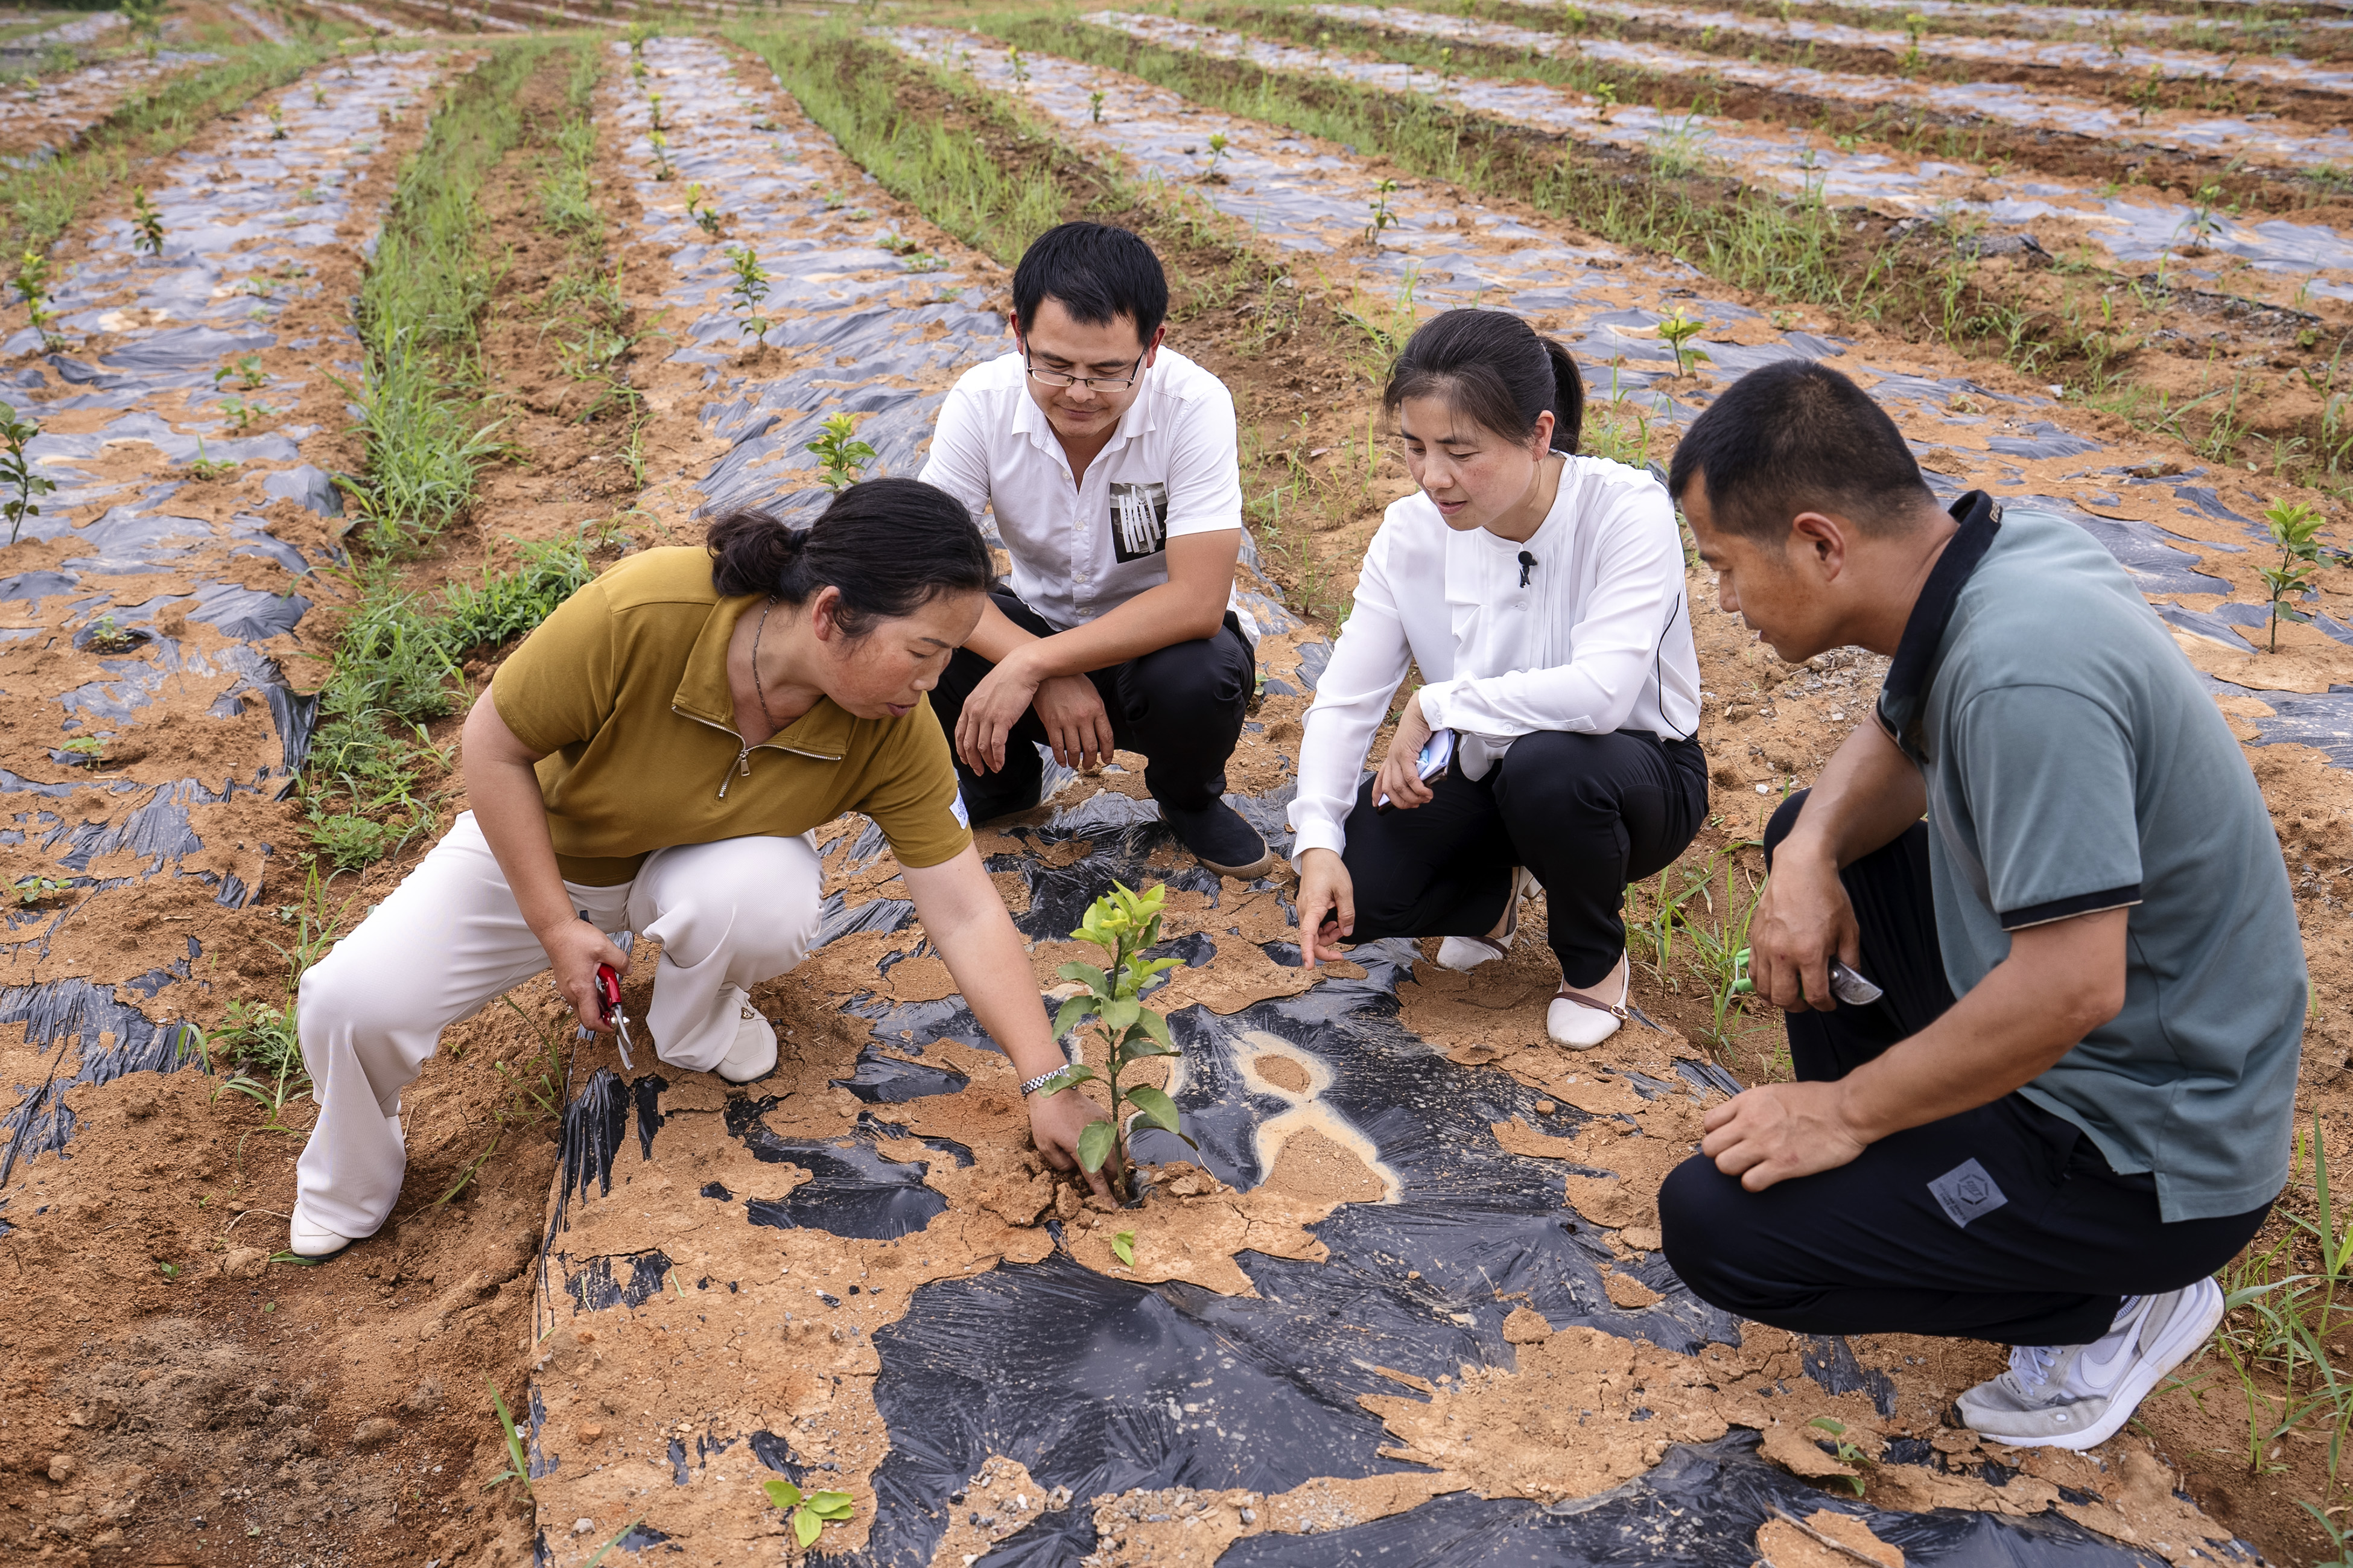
x=1586, y=813
x=1180, y=706
x=2004, y=1223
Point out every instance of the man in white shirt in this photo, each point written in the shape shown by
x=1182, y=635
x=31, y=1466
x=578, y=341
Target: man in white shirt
x=1109, y=462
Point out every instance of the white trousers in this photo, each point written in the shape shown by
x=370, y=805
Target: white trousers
x=450, y=940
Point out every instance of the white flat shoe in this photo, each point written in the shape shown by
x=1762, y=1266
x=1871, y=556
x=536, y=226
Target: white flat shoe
x=1579, y=1022
x=307, y=1239
x=1468, y=953
x=754, y=1054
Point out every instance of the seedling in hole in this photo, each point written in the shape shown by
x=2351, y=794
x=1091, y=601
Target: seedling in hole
x=2201, y=221
x=277, y=124
x=653, y=101
x=1848, y=1453
x=89, y=751
x=168, y=1271
x=661, y=145
x=319, y=96
x=1382, y=216
x=30, y=890
x=810, y=1511
x=200, y=467
x=898, y=245
x=1123, y=923
x=242, y=413
x=1679, y=329
x=1218, y=145
x=106, y=636
x=844, y=456
x=16, y=473
x=146, y=224
x=1608, y=93
x=706, y=215
x=1095, y=106
x=247, y=369
x=751, y=287
x=1122, y=1247
x=2295, y=528
x=1018, y=65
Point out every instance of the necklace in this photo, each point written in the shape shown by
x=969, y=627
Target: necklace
x=758, y=688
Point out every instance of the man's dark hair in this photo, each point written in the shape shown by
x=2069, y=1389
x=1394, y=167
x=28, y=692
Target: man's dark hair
x=1097, y=272
x=1795, y=437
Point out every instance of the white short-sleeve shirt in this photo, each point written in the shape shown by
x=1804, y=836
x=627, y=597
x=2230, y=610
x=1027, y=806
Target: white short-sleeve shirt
x=1082, y=549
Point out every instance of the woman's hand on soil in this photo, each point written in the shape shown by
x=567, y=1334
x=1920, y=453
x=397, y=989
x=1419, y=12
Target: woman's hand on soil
x=990, y=714
x=1777, y=1131
x=1400, y=774
x=1077, y=724
x=1327, y=905
x=1803, y=919
x=1055, y=1122
x=575, y=949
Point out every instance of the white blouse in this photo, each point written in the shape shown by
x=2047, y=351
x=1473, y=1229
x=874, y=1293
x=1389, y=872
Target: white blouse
x=1599, y=638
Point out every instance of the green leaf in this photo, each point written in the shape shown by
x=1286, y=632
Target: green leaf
x=1834, y=1427
x=1095, y=1144
x=784, y=1494
x=1139, y=1045
x=1077, y=1072
x=1119, y=1014
x=1087, y=974
x=832, y=1506
x=806, y=1526
x=1157, y=1107
x=1122, y=1247
x=1071, y=1014
x=1156, y=1025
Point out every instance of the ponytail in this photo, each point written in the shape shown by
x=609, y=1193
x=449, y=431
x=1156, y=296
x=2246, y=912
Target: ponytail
x=1496, y=371
x=890, y=545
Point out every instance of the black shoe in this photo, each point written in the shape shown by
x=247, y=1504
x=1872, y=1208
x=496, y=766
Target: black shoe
x=1219, y=838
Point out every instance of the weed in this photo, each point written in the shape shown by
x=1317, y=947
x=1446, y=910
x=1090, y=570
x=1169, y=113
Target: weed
x=258, y=1055
x=146, y=224
x=1123, y=924
x=19, y=482
x=245, y=369
x=2295, y=527
x=518, y=1466
x=1679, y=329
x=30, y=890
x=844, y=457
x=751, y=287
x=567, y=196
x=144, y=18
x=809, y=1511
x=2284, y=1318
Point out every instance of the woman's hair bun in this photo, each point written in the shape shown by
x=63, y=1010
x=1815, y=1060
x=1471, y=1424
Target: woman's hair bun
x=890, y=545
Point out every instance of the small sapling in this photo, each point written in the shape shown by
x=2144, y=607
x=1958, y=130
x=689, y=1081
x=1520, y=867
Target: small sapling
x=1122, y=1247
x=844, y=456
x=1017, y=64
x=86, y=751
x=661, y=145
x=30, y=890
x=1606, y=93
x=809, y=1511
x=750, y=287
x=1124, y=924
x=1218, y=144
x=1848, y=1452
x=17, y=480
x=146, y=224
x=1382, y=216
x=706, y=215
x=2295, y=528
x=245, y=369
x=277, y=124
x=1095, y=106
x=1679, y=329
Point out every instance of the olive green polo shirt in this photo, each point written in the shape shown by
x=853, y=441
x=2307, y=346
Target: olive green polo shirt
x=625, y=689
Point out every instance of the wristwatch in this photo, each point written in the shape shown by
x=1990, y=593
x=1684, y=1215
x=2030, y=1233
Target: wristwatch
x=1035, y=1084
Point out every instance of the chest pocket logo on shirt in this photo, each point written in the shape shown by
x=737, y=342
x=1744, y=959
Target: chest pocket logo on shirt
x=1139, y=520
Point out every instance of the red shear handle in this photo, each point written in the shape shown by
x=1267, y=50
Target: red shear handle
x=609, y=992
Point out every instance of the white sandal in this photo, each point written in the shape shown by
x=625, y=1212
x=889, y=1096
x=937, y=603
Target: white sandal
x=1581, y=1023
x=1468, y=953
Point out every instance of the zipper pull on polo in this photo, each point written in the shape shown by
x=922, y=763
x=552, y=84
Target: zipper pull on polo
x=743, y=769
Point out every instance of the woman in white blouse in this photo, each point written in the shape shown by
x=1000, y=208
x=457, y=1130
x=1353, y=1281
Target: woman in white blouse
x=1541, y=595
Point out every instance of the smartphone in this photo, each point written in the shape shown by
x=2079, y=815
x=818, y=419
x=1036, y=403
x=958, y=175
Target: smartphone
x=1436, y=756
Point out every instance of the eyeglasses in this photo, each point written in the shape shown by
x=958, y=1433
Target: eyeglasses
x=1092, y=383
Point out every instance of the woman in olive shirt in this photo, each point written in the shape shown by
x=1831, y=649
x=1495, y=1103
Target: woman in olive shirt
x=654, y=758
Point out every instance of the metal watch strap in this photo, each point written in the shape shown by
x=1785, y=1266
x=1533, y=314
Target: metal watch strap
x=1035, y=1084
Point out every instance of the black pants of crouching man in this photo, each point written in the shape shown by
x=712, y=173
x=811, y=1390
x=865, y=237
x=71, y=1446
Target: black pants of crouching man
x=1181, y=706
x=2004, y=1223
x=1586, y=813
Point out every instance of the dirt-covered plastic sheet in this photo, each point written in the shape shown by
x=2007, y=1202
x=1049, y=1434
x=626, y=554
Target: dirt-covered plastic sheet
x=147, y=610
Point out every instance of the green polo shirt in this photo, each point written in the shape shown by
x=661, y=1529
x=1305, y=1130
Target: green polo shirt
x=2075, y=763
x=624, y=689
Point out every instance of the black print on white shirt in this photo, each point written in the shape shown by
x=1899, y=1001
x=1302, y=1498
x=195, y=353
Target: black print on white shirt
x=1139, y=520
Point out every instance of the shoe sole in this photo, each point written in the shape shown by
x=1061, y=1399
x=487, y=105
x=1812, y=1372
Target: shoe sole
x=1259, y=868
x=2187, y=1337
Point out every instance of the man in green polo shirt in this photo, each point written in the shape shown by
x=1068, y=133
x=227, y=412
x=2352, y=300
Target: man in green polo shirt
x=2069, y=1102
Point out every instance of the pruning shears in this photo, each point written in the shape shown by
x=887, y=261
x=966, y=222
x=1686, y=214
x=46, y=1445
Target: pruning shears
x=608, y=1007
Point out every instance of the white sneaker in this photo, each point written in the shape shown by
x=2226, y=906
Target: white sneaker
x=754, y=1054
x=1579, y=1022
x=2078, y=1396
x=1468, y=953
